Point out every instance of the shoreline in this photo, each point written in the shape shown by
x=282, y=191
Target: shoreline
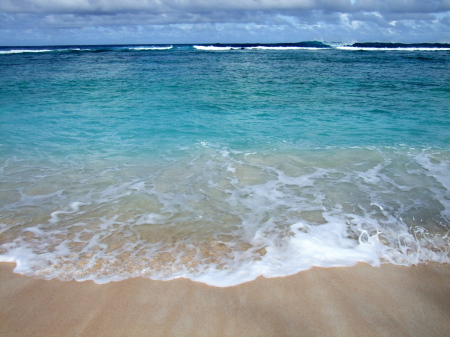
x=349, y=301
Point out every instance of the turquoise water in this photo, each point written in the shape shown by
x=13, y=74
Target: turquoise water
x=222, y=163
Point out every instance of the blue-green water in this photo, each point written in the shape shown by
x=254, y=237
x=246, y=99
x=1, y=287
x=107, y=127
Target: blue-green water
x=222, y=163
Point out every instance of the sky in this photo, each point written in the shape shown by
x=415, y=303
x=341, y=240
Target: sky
x=69, y=22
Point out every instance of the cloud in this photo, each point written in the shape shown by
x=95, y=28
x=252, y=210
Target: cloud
x=402, y=6
x=158, y=6
x=262, y=19
x=101, y=7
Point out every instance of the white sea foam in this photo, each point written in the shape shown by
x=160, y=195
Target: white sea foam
x=213, y=48
x=438, y=167
x=227, y=48
x=19, y=51
x=151, y=48
x=284, y=48
x=224, y=217
x=138, y=48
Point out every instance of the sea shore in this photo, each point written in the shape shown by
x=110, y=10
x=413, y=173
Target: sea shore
x=356, y=301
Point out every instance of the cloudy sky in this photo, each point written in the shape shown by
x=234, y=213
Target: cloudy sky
x=49, y=22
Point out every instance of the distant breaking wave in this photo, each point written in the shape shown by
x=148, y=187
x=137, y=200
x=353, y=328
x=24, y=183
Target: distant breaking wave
x=378, y=46
x=76, y=49
x=150, y=48
x=269, y=46
x=316, y=45
x=19, y=51
x=401, y=45
x=306, y=45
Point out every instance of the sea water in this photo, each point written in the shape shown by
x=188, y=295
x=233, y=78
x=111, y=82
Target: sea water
x=222, y=163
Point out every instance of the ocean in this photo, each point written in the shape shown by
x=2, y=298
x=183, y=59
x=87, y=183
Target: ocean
x=222, y=163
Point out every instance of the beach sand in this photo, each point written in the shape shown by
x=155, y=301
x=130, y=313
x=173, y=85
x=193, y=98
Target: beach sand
x=356, y=301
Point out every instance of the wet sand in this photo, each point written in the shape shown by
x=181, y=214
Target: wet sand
x=357, y=301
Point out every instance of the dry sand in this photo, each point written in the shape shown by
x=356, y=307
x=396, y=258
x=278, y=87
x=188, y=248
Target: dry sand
x=357, y=301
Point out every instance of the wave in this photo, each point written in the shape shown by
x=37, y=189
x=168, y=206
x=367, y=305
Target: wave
x=316, y=45
x=224, y=217
x=150, y=48
x=306, y=45
x=216, y=48
x=49, y=50
x=20, y=51
x=78, y=49
x=212, y=48
x=391, y=49
x=381, y=46
x=312, y=45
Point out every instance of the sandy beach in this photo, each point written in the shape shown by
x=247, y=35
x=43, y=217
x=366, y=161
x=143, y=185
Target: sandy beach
x=357, y=301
